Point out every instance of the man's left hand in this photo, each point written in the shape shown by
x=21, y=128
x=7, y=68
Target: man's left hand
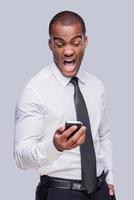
x=111, y=189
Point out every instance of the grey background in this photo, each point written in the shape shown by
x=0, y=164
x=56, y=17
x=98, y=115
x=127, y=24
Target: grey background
x=109, y=55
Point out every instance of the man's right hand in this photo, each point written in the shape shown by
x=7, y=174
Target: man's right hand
x=62, y=141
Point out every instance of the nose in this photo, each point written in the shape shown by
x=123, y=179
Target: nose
x=68, y=50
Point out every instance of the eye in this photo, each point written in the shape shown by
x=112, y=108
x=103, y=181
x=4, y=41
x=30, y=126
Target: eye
x=59, y=45
x=76, y=43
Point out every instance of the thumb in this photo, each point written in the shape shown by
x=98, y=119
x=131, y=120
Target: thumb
x=60, y=130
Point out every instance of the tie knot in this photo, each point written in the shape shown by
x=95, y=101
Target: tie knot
x=74, y=81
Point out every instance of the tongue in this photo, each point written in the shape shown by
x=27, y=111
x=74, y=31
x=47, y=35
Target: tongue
x=69, y=66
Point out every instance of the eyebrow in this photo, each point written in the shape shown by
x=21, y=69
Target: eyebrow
x=59, y=38
x=78, y=36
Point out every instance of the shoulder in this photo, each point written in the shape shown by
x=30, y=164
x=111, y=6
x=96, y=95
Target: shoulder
x=38, y=79
x=34, y=87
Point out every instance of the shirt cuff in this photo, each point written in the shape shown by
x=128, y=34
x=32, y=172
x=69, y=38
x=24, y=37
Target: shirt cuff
x=109, y=178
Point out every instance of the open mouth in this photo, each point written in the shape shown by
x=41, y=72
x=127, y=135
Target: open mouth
x=69, y=64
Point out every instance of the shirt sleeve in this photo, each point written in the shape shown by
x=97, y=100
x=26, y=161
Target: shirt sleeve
x=31, y=148
x=105, y=141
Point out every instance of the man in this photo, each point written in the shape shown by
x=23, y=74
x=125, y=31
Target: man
x=71, y=166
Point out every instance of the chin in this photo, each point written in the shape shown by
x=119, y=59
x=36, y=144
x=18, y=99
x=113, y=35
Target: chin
x=70, y=74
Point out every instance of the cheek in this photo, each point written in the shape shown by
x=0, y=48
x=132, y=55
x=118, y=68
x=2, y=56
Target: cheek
x=57, y=55
x=80, y=54
x=80, y=51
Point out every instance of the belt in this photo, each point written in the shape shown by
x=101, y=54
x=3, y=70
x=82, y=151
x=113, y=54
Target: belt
x=70, y=184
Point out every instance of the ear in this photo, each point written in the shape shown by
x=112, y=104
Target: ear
x=86, y=41
x=50, y=44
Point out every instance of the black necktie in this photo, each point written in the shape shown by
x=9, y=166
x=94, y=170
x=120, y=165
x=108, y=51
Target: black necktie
x=88, y=158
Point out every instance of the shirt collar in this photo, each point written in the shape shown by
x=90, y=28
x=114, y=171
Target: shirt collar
x=63, y=79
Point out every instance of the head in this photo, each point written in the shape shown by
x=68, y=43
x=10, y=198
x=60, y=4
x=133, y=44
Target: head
x=67, y=41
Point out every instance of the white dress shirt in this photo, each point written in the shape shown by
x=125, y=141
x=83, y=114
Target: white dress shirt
x=45, y=104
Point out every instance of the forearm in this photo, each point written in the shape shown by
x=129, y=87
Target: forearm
x=106, y=147
x=30, y=154
x=32, y=149
x=106, y=141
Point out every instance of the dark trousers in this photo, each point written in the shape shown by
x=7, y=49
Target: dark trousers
x=44, y=193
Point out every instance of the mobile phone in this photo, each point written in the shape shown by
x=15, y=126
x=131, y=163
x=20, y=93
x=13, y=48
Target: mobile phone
x=68, y=124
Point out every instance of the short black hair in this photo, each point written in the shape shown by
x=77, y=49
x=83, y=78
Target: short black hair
x=67, y=18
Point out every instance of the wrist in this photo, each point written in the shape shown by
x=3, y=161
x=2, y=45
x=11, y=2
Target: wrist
x=57, y=146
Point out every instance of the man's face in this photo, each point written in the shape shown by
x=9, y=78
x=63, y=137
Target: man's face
x=67, y=44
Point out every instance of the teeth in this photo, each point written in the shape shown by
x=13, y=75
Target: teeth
x=69, y=61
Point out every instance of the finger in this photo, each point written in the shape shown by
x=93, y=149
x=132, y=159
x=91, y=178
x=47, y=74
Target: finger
x=80, y=141
x=80, y=132
x=111, y=192
x=74, y=139
x=60, y=130
x=111, y=189
x=69, y=131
